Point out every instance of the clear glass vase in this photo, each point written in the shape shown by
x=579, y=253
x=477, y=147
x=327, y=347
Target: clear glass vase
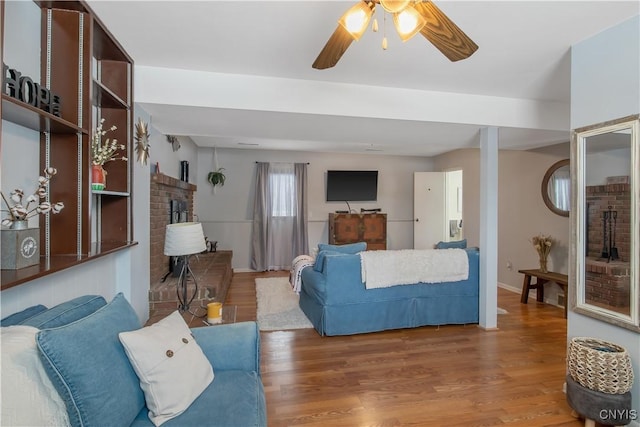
x=543, y=264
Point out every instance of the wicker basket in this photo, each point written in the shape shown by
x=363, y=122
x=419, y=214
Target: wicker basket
x=599, y=365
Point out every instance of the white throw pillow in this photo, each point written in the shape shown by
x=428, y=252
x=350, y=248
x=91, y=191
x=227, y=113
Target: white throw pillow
x=172, y=368
x=28, y=396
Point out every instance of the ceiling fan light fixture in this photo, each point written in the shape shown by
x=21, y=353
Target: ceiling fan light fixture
x=394, y=6
x=408, y=23
x=356, y=19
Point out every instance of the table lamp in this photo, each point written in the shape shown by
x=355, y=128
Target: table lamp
x=184, y=239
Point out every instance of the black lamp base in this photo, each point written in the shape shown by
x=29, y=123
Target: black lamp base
x=182, y=290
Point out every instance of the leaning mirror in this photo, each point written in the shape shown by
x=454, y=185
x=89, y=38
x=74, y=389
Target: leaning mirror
x=605, y=228
x=556, y=188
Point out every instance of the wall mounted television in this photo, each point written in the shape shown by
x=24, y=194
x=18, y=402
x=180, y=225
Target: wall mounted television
x=352, y=186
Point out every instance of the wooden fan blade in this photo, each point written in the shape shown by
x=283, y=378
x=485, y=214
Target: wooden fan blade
x=444, y=34
x=336, y=46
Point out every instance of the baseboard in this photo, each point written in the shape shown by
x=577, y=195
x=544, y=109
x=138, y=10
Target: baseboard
x=494, y=329
x=509, y=288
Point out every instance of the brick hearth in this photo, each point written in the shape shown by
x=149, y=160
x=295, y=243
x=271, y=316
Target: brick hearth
x=213, y=273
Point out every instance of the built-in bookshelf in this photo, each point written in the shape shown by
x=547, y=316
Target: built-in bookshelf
x=83, y=64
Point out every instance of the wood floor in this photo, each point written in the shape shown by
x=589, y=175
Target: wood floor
x=448, y=376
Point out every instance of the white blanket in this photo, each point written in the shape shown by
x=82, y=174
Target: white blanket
x=298, y=264
x=381, y=269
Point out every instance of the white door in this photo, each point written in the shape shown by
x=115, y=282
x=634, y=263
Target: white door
x=428, y=209
x=453, y=217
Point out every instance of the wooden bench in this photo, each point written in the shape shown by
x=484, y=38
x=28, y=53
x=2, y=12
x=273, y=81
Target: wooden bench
x=542, y=278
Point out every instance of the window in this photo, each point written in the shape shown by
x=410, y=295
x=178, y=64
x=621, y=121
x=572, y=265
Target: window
x=282, y=183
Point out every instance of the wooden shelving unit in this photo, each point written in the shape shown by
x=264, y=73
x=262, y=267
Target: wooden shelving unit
x=93, y=76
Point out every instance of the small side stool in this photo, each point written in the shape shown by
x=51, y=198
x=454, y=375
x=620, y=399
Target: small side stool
x=594, y=406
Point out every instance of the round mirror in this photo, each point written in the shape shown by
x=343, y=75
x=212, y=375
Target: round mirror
x=556, y=188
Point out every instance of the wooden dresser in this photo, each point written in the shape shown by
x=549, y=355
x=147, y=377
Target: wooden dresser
x=350, y=228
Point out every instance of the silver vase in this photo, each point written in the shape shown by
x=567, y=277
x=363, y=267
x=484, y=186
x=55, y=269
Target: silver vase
x=21, y=224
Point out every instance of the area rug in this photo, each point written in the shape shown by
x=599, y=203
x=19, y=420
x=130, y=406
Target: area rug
x=278, y=308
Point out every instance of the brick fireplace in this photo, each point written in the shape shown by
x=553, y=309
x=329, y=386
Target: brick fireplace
x=607, y=279
x=171, y=202
x=164, y=190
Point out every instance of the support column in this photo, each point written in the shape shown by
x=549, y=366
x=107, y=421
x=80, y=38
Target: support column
x=489, y=228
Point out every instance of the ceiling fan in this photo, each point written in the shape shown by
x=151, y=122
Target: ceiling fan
x=410, y=17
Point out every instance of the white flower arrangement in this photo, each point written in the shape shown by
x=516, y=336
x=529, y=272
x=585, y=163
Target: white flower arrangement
x=21, y=209
x=103, y=152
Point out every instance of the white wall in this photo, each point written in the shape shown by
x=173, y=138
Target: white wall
x=227, y=214
x=605, y=85
x=605, y=164
x=21, y=19
x=19, y=142
x=138, y=261
x=521, y=210
x=169, y=160
x=24, y=144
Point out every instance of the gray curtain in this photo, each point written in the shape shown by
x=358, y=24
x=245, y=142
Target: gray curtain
x=300, y=222
x=261, y=218
x=278, y=239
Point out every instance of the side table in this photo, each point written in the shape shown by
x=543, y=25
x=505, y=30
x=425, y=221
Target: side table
x=541, y=278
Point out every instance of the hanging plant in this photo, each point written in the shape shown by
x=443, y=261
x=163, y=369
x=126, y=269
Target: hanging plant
x=216, y=177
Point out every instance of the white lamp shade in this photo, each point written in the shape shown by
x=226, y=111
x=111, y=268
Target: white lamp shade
x=184, y=238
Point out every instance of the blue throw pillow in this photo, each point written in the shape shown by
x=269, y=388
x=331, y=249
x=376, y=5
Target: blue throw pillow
x=21, y=316
x=90, y=369
x=457, y=244
x=319, y=264
x=351, y=248
x=67, y=312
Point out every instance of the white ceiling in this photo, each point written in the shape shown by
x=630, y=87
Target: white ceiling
x=523, y=54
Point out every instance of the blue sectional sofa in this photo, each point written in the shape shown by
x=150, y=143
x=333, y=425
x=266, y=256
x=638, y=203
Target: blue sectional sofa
x=81, y=353
x=337, y=303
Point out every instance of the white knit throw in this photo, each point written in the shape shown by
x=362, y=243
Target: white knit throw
x=381, y=269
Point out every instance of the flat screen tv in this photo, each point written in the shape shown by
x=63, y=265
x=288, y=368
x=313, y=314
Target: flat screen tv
x=352, y=186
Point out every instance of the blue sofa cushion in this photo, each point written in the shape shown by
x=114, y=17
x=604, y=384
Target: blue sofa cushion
x=90, y=369
x=67, y=312
x=241, y=349
x=234, y=398
x=351, y=248
x=21, y=316
x=457, y=244
x=319, y=263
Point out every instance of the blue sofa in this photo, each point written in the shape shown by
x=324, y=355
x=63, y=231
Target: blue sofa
x=337, y=303
x=82, y=355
